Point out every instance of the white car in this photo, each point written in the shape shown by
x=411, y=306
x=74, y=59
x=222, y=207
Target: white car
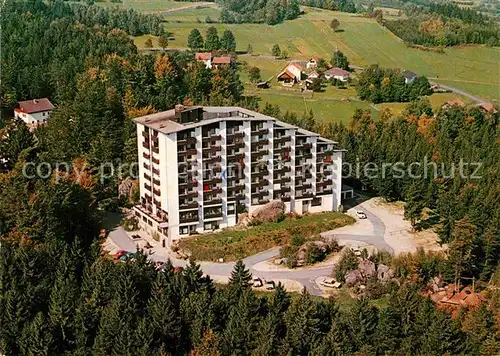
x=330, y=283
x=270, y=285
x=360, y=214
x=257, y=282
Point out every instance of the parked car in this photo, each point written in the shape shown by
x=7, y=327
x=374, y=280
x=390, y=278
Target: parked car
x=257, y=282
x=330, y=283
x=270, y=285
x=119, y=254
x=360, y=214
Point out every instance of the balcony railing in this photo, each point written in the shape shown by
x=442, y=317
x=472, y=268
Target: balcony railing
x=191, y=194
x=157, y=192
x=282, y=180
x=155, y=149
x=145, y=144
x=211, y=137
x=212, y=159
x=324, y=192
x=261, y=173
x=190, y=152
x=146, y=155
x=284, y=138
x=212, y=201
x=155, y=160
x=324, y=183
x=188, y=219
x=260, y=131
x=190, y=205
x=186, y=140
x=213, y=215
x=156, y=181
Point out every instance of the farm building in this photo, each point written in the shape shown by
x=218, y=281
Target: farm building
x=409, y=76
x=34, y=112
x=291, y=75
x=337, y=73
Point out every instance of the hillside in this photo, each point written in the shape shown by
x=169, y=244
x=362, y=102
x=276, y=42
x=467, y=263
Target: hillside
x=470, y=68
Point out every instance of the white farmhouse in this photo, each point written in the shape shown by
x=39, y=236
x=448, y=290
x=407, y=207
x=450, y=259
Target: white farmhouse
x=34, y=112
x=337, y=73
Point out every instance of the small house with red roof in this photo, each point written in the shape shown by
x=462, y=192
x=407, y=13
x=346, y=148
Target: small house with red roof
x=488, y=107
x=291, y=75
x=204, y=57
x=34, y=112
x=218, y=62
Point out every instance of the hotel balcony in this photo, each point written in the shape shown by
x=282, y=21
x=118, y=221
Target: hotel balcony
x=324, y=192
x=212, y=200
x=261, y=173
x=146, y=166
x=304, y=195
x=211, y=136
x=145, y=144
x=235, y=157
x=281, y=179
x=211, y=158
x=157, y=192
x=156, y=171
x=188, y=205
x=184, y=219
x=284, y=169
x=282, y=139
x=324, y=183
x=236, y=187
x=211, y=149
x=147, y=187
x=188, y=194
x=188, y=183
x=186, y=141
x=212, y=213
x=235, y=196
x=146, y=155
x=233, y=134
x=155, y=160
x=259, y=131
x=155, y=149
x=282, y=149
x=145, y=134
x=189, y=152
x=260, y=183
x=257, y=155
x=147, y=176
x=302, y=186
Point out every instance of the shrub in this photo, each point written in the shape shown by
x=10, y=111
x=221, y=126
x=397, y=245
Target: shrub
x=347, y=262
x=315, y=254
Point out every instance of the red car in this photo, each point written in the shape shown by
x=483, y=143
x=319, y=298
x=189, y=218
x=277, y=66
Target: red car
x=119, y=254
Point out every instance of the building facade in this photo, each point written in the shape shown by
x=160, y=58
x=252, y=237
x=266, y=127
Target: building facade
x=200, y=166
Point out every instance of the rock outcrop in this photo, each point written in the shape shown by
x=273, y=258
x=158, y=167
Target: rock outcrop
x=269, y=212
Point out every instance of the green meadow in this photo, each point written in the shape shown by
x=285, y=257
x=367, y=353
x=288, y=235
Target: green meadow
x=475, y=69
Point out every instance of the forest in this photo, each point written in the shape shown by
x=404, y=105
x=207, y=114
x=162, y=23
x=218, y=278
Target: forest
x=270, y=12
x=337, y=5
x=60, y=294
x=445, y=25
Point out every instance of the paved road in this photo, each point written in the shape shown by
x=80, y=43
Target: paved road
x=461, y=92
x=306, y=277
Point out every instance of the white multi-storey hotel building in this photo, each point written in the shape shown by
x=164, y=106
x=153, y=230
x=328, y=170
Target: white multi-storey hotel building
x=199, y=166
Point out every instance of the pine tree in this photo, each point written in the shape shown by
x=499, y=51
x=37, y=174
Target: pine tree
x=195, y=40
x=240, y=277
x=163, y=317
x=228, y=42
x=335, y=24
x=36, y=339
x=212, y=41
x=163, y=41
x=414, y=203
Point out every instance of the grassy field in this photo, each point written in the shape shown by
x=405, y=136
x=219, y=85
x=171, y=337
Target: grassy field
x=474, y=69
x=232, y=244
x=333, y=104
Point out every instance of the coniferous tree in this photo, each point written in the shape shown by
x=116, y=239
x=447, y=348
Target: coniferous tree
x=227, y=41
x=195, y=40
x=212, y=41
x=240, y=277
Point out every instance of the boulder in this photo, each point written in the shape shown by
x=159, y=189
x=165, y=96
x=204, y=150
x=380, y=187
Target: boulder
x=384, y=273
x=367, y=268
x=269, y=212
x=243, y=219
x=353, y=277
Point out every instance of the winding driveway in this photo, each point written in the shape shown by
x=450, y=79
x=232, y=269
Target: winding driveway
x=305, y=276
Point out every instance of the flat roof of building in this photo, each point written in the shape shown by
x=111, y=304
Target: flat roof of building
x=164, y=122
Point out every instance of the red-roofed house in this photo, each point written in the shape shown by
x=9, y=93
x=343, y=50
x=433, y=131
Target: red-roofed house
x=454, y=102
x=337, y=73
x=205, y=57
x=221, y=61
x=34, y=112
x=487, y=107
x=291, y=74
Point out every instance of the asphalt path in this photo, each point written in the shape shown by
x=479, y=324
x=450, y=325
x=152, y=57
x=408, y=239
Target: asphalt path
x=305, y=276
